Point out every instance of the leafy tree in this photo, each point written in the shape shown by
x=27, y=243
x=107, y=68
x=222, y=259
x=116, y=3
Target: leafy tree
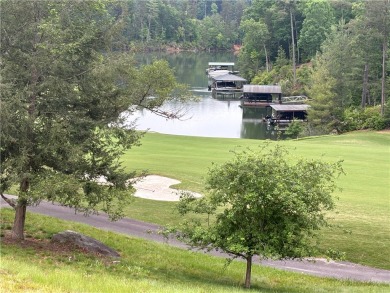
x=213, y=35
x=351, y=65
x=294, y=129
x=323, y=113
x=214, y=8
x=365, y=43
x=63, y=99
x=281, y=74
x=263, y=203
x=318, y=20
x=343, y=9
x=254, y=50
x=336, y=79
x=283, y=19
x=367, y=118
x=231, y=13
x=345, y=61
x=377, y=18
x=151, y=15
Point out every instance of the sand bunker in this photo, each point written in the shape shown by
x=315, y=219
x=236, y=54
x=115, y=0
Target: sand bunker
x=158, y=188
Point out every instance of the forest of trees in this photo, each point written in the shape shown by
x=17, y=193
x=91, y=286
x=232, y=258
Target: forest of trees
x=185, y=24
x=334, y=51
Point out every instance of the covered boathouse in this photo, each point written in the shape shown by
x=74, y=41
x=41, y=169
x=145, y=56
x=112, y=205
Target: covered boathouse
x=261, y=95
x=285, y=114
x=227, y=86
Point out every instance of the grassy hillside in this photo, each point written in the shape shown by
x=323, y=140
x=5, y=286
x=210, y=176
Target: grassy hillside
x=363, y=208
x=36, y=265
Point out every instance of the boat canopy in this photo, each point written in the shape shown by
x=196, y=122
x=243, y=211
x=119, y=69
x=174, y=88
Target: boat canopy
x=262, y=89
x=290, y=108
x=229, y=77
x=212, y=64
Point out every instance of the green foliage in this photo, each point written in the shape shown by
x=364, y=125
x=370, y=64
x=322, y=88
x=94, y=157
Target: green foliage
x=144, y=266
x=65, y=92
x=317, y=23
x=303, y=78
x=323, y=113
x=282, y=75
x=368, y=118
x=215, y=34
x=186, y=24
x=276, y=16
x=350, y=37
x=254, y=51
x=264, y=204
x=294, y=129
x=351, y=58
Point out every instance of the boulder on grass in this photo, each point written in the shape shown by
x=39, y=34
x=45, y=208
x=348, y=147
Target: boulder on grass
x=84, y=242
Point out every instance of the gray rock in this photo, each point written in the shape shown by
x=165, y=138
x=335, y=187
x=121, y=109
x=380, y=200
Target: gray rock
x=88, y=243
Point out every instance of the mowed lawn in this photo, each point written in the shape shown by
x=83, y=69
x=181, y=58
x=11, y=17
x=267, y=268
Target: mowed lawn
x=362, y=216
x=35, y=265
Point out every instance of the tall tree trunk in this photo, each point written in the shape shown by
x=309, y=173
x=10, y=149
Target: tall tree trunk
x=296, y=34
x=365, y=86
x=266, y=59
x=20, y=212
x=293, y=48
x=21, y=205
x=248, y=272
x=20, y=218
x=384, y=52
x=384, y=55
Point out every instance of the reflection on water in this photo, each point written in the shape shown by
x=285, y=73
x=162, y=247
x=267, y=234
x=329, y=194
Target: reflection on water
x=208, y=117
x=254, y=125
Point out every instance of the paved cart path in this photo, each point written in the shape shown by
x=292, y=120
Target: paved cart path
x=155, y=187
x=323, y=268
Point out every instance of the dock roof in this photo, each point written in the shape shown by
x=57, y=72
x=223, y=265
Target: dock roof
x=229, y=77
x=262, y=89
x=221, y=63
x=290, y=108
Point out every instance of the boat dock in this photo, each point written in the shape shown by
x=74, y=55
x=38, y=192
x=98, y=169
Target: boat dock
x=285, y=114
x=261, y=95
x=223, y=81
x=227, y=86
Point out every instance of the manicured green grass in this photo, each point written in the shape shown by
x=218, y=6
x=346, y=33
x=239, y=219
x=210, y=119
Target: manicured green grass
x=363, y=207
x=143, y=267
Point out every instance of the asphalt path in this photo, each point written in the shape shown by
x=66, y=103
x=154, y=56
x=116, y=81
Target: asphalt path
x=317, y=267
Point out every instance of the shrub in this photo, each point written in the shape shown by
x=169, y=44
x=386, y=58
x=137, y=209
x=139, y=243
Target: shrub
x=367, y=118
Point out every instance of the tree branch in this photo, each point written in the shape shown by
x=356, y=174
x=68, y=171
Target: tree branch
x=165, y=114
x=10, y=201
x=236, y=254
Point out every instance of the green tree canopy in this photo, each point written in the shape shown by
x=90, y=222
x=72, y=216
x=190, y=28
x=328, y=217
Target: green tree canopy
x=263, y=202
x=63, y=95
x=254, y=52
x=349, y=73
x=319, y=17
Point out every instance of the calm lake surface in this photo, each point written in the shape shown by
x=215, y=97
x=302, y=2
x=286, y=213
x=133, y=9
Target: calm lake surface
x=208, y=117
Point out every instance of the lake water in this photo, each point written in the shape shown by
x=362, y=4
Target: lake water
x=208, y=117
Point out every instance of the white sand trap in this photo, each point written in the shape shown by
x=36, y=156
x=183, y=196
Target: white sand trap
x=158, y=188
